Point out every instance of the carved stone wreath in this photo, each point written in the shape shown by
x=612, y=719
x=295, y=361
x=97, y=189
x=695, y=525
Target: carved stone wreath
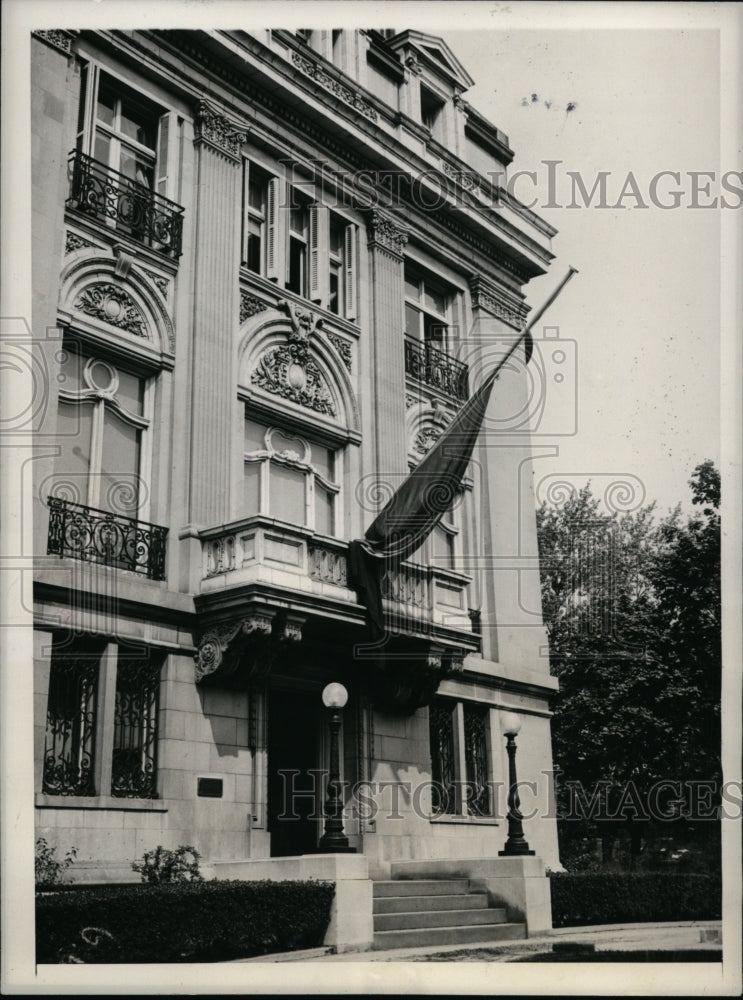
x=290, y=372
x=112, y=305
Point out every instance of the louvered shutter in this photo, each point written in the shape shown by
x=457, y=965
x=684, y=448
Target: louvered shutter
x=319, y=248
x=349, y=271
x=275, y=234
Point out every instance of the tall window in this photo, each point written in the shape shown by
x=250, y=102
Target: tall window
x=432, y=112
x=461, y=768
x=69, y=745
x=442, y=543
x=92, y=748
x=288, y=478
x=427, y=308
x=133, y=767
x=124, y=129
x=299, y=234
x=103, y=415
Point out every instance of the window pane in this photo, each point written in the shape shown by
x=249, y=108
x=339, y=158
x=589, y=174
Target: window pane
x=333, y=301
x=288, y=491
x=130, y=392
x=256, y=191
x=71, y=469
x=412, y=289
x=337, y=236
x=70, y=368
x=102, y=148
x=434, y=298
x=251, y=487
x=255, y=437
x=297, y=252
x=323, y=461
x=298, y=220
x=119, y=487
x=434, y=331
x=324, y=511
x=139, y=121
x=442, y=548
x=106, y=99
x=412, y=322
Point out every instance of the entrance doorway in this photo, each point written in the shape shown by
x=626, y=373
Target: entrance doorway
x=294, y=745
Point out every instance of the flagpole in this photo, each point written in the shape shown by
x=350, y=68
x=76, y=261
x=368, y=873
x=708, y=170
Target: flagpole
x=537, y=315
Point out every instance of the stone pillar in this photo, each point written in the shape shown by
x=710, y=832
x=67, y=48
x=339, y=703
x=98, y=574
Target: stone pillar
x=387, y=239
x=215, y=317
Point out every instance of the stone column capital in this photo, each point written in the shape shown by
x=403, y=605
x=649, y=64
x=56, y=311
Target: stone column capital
x=384, y=230
x=216, y=128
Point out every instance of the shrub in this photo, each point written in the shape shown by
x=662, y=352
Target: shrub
x=181, y=922
x=632, y=897
x=163, y=865
x=48, y=868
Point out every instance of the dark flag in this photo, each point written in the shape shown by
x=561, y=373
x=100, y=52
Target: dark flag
x=418, y=505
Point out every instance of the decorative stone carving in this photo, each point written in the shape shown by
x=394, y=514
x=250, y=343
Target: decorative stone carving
x=342, y=347
x=406, y=682
x=411, y=401
x=467, y=180
x=214, y=127
x=112, y=305
x=386, y=231
x=159, y=282
x=434, y=422
x=335, y=87
x=245, y=649
x=510, y=312
x=123, y=263
x=250, y=306
x=413, y=65
x=289, y=371
x=74, y=242
x=302, y=320
x=61, y=40
x=328, y=565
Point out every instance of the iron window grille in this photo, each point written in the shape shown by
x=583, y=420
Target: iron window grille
x=479, y=802
x=69, y=746
x=443, y=770
x=134, y=759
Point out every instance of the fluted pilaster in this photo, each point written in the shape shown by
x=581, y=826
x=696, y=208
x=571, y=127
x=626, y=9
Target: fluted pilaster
x=216, y=307
x=387, y=239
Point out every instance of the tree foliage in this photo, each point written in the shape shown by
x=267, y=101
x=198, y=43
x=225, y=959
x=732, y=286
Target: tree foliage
x=632, y=609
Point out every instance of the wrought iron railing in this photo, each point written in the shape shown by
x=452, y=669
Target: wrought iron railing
x=436, y=369
x=112, y=539
x=119, y=201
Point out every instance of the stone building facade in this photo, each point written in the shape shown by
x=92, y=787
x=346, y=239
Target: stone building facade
x=268, y=269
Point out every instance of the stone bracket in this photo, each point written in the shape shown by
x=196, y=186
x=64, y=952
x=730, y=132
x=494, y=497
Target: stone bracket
x=242, y=650
x=406, y=680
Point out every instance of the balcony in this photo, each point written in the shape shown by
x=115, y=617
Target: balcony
x=130, y=208
x=262, y=551
x=436, y=369
x=98, y=536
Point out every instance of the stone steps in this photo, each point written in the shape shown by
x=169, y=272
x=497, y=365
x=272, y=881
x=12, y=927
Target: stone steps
x=420, y=912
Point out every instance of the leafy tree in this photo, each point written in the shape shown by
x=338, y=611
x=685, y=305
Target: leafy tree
x=632, y=610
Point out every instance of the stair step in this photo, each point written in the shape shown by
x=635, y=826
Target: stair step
x=407, y=904
x=438, y=918
x=421, y=887
x=427, y=936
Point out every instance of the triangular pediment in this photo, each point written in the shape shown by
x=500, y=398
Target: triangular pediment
x=436, y=54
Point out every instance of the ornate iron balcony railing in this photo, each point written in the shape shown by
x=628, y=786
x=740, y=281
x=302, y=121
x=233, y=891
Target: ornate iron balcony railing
x=132, y=208
x=98, y=536
x=436, y=369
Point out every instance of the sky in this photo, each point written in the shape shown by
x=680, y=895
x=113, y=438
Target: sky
x=643, y=314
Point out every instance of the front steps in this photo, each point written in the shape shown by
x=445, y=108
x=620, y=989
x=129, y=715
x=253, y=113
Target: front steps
x=415, y=912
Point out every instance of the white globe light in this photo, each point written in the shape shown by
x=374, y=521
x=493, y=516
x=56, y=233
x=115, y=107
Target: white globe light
x=511, y=723
x=334, y=696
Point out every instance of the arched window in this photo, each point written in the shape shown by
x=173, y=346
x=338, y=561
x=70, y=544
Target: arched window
x=290, y=478
x=103, y=418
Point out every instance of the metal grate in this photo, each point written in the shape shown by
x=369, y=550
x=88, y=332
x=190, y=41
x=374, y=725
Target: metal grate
x=476, y=760
x=441, y=730
x=70, y=725
x=134, y=761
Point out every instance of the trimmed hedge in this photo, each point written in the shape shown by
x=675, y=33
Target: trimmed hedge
x=181, y=922
x=633, y=897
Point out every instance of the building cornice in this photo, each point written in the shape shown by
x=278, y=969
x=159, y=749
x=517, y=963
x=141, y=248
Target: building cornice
x=216, y=129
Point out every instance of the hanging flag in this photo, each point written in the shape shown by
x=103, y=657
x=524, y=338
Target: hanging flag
x=418, y=505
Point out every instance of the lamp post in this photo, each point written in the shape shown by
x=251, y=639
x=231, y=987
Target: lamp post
x=515, y=844
x=333, y=840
